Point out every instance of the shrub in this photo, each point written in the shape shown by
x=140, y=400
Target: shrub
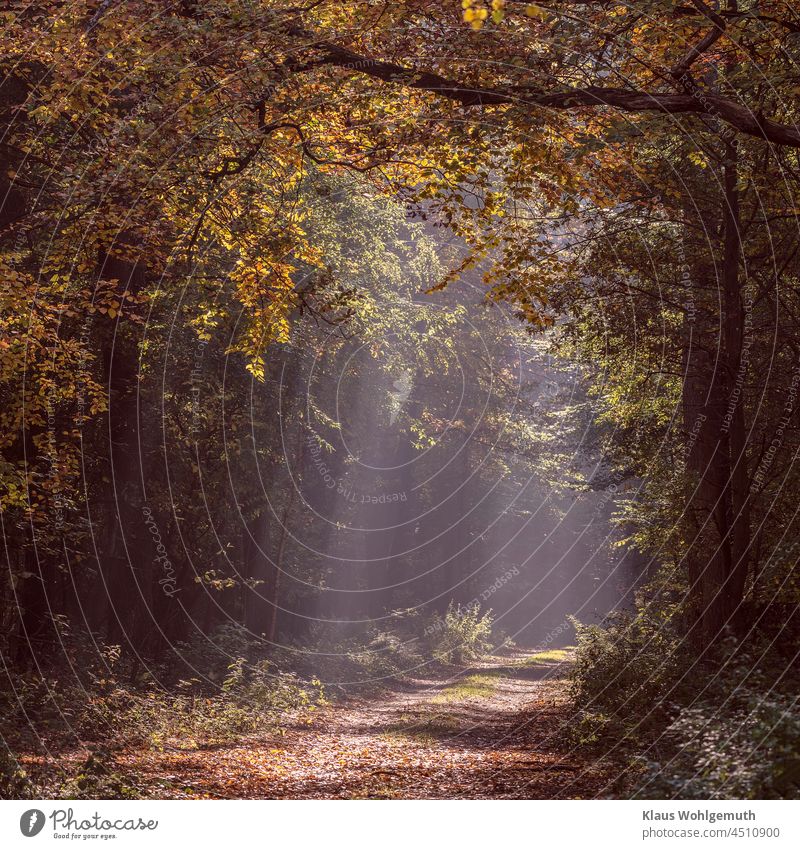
x=624, y=678
x=97, y=778
x=748, y=748
x=14, y=781
x=251, y=698
x=210, y=655
x=462, y=634
x=726, y=726
x=364, y=656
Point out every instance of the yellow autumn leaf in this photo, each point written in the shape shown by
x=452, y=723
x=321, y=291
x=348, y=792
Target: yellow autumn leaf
x=534, y=11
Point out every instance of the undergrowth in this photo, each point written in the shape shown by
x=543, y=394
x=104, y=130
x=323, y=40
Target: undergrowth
x=724, y=725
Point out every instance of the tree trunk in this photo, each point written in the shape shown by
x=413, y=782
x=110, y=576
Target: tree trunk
x=708, y=553
x=736, y=367
x=126, y=552
x=716, y=440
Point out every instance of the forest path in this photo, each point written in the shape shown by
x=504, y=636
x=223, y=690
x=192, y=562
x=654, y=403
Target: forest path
x=495, y=731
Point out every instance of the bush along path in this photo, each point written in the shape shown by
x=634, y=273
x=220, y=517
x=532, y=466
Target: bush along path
x=497, y=730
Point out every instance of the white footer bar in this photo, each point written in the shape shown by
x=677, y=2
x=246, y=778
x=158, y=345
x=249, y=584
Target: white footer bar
x=401, y=824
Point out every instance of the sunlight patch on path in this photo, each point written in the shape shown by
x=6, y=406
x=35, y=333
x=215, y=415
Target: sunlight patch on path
x=479, y=686
x=551, y=656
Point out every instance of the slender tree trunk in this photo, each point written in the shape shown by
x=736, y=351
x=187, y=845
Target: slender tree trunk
x=263, y=601
x=35, y=635
x=127, y=554
x=256, y=545
x=275, y=588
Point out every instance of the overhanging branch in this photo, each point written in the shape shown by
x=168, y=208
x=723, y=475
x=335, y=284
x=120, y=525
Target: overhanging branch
x=698, y=102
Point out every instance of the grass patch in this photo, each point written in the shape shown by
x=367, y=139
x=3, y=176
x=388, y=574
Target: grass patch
x=549, y=656
x=479, y=686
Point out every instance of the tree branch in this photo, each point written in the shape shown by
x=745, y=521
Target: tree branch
x=741, y=118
